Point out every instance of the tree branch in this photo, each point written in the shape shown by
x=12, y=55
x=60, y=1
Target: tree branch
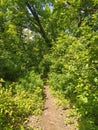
x=34, y=13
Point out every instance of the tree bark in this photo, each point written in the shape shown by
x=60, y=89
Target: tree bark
x=36, y=17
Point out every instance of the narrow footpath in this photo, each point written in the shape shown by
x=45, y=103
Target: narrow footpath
x=52, y=117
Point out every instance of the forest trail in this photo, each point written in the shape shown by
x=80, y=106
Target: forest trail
x=52, y=117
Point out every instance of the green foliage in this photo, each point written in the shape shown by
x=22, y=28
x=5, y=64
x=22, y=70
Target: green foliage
x=21, y=44
x=20, y=100
x=74, y=73
x=58, y=39
x=74, y=59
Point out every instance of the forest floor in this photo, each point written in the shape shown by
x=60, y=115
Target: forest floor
x=53, y=117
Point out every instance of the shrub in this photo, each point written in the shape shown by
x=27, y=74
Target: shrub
x=19, y=100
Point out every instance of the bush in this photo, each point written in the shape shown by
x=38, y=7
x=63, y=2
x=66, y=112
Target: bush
x=19, y=100
x=74, y=74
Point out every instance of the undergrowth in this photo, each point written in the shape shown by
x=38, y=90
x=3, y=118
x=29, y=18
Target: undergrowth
x=20, y=99
x=73, y=77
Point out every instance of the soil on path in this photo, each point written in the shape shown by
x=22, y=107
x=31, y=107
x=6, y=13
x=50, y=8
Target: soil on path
x=52, y=117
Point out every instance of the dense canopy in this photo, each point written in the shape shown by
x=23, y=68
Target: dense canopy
x=53, y=40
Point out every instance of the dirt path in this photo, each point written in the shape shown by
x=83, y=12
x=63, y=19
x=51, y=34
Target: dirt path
x=52, y=117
